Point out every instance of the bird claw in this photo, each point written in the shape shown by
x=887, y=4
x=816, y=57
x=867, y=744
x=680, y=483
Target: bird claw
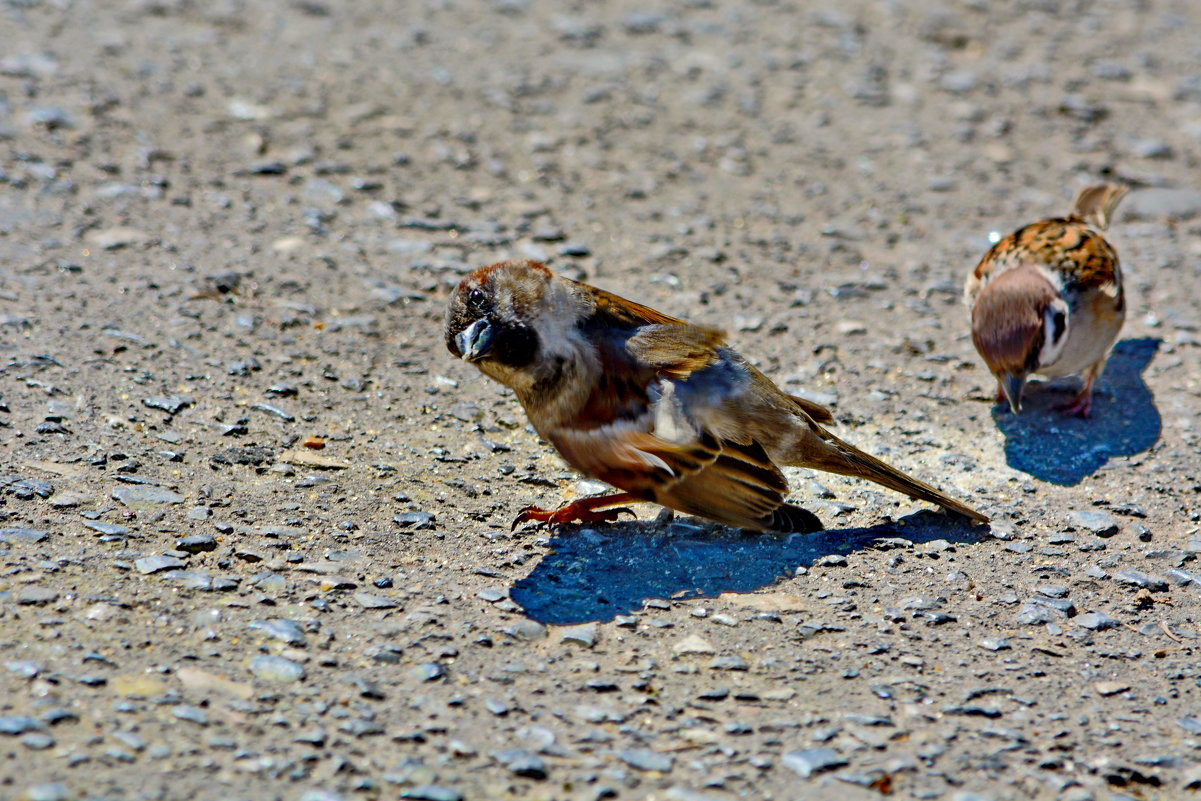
x=570, y=513
x=1079, y=406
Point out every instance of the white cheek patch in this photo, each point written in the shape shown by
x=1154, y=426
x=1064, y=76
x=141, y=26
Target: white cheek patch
x=1055, y=332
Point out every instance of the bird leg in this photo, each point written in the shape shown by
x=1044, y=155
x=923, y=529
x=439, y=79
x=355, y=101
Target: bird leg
x=585, y=510
x=1082, y=404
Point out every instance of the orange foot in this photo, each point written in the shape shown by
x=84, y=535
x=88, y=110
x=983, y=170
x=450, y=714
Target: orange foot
x=585, y=510
x=1079, y=406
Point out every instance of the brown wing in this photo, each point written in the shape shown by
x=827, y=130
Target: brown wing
x=720, y=480
x=623, y=313
x=1068, y=246
x=675, y=351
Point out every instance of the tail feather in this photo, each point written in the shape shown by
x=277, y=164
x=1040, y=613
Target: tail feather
x=1095, y=204
x=792, y=519
x=844, y=459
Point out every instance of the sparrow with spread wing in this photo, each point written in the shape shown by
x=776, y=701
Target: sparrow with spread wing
x=1048, y=299
x=661, y=409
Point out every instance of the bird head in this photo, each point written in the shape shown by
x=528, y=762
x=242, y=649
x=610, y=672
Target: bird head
x=1019, y=324
x=510, y=317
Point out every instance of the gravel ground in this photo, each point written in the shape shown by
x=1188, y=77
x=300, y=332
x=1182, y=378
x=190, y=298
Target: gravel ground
x=254, y=520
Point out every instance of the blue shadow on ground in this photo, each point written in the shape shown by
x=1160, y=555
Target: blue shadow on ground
x=599, y=573
x=1051, y=446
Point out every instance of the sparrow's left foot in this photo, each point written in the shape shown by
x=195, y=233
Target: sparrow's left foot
x=585, y=510
x=1079, y=406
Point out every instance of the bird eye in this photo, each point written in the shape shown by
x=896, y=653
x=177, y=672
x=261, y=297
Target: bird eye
x=476, y=298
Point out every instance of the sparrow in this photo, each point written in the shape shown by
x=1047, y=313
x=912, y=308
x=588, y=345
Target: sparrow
x=659, y=408
x=1048, y=299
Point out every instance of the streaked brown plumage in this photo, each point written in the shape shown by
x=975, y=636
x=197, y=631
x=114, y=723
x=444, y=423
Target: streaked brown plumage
x=1048, y=300
x=659, y=408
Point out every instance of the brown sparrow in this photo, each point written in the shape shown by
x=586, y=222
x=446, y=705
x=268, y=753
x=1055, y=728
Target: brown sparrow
x=1047, y=299
x=659, y=408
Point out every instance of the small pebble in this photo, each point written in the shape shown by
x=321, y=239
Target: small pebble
x=277, y=669
x=808, y=762
x=646, y=759
x=1100, y=523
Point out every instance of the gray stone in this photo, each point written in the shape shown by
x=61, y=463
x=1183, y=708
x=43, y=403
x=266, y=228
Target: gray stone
x=19, y=724
x=157, y=564
x=814, y=760
x=428, y=671
x=171, y=405
x=1103, y=524
x=192, y=714
x=277, y=669
x=281, y=629
x=33, y=595
x=526, y=630
x=369, y=601
x=432, y=792
x=1182, y=578
x=1096, y=621
x=37, y=741
x=142, y=497
x=108, y=529
x=415, y=521
x=584, y=634
x=15, y=536
x=1190, y=725
x=521, y=762
x=197, y=543
x=646, y=759
x=1142, y=580
x=54, y=791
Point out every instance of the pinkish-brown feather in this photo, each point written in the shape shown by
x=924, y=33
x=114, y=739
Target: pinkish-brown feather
x=1007, y=319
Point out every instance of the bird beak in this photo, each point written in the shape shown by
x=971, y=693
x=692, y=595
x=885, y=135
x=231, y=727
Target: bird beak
x=475, y=340
x=1012, y=386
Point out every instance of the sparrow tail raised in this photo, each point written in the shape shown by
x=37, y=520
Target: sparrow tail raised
x=1095, y=204
x=844, y=459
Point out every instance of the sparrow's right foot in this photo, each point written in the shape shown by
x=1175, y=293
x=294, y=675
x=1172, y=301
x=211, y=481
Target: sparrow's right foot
x=585, y=510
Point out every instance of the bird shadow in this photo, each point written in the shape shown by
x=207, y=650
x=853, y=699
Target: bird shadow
x=599, y=573
x=1053, y=447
